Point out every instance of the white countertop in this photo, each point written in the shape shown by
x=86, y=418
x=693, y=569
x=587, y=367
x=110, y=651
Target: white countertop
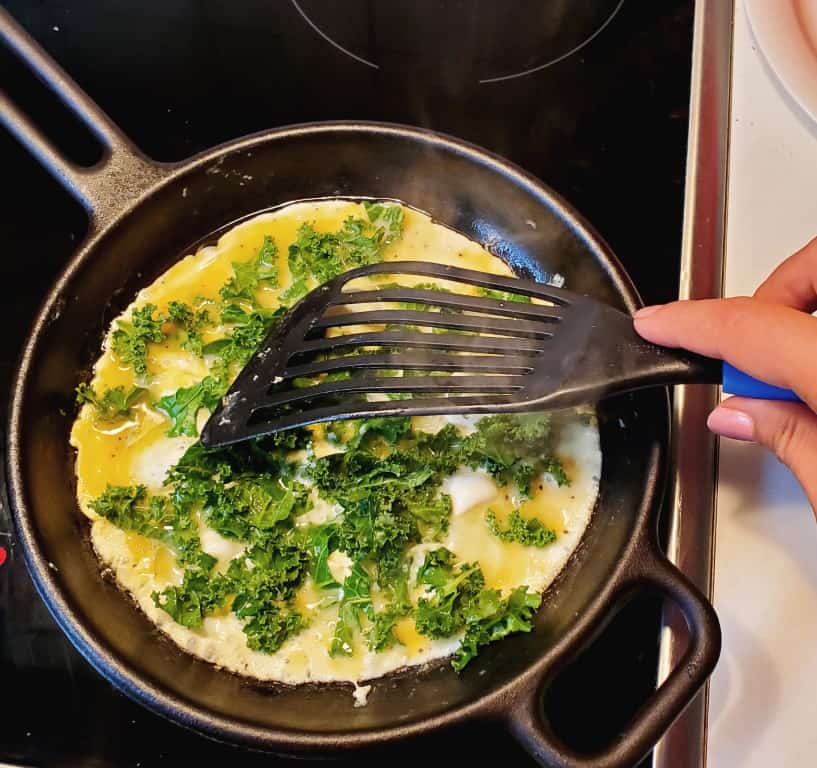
x=764, y=690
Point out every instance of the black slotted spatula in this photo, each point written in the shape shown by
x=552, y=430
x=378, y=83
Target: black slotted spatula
x=440, y=351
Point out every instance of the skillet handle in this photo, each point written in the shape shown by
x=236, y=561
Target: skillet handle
x=648, y=725
x=123, y=172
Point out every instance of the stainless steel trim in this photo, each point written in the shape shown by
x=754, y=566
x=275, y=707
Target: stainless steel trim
x=692, y=492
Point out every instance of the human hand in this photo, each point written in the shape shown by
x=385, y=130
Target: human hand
x=771, y=336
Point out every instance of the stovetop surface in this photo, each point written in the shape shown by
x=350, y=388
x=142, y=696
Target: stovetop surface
x=589, y=95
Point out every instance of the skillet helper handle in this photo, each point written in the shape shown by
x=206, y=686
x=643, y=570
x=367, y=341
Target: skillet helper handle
x=651, y=721
x=123, y=172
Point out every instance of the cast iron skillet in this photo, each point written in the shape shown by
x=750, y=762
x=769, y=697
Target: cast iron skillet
x=143, y=216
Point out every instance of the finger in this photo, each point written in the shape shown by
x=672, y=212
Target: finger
x=772, y=343
x=787, y=429
x=794, y=283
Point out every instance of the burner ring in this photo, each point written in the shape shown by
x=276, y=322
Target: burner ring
x=363, y=32
x=557, y=59
x=329, y=40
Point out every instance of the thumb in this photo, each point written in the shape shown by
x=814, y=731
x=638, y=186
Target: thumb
x=789, y=430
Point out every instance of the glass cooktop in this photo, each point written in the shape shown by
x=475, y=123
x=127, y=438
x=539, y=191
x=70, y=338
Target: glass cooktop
x=589, y=95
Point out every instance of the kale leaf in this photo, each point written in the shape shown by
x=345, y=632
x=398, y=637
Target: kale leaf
x=393, y=584
x=387, y=482
x=243, y=492
x=505, y=295
x=112, y=404
x=529, y=532
x=190, y=603
x=356, y=602
x=263, y=581
x=131, y=337
x=248, y=330
x=387, y=219
x=191, y=323
x=381, y=635
x=379, y=496
x=249, y=275
x=322, y=540
x=454, y=588
x=183, y=406
x=157, y=517
x=492, y=618
x=320, y=256
x=460, y=601
x=252, y=506
x=353, y=433
x=272, y=568
x=269, y=624
x=514, y=448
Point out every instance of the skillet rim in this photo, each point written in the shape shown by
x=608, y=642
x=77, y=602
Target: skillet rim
x=498, y=703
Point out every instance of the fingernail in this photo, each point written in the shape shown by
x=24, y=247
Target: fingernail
x=728, y=422
x=647, y=311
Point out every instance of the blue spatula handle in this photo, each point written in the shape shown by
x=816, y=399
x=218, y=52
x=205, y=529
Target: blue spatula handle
x=737, y=382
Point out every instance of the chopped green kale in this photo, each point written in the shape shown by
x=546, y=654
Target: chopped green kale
x=253, y=506
x=492, y=618
x=248, y=330
x=321, y=256
x=352, y=433
x=390, y=493
x=264, y=580
x=355, y=604
x=552, y=466
x=183, y=406
x=505, y=295
x=460, y=601
x=191, y=323
x=387, y=220
x=248, y=276
x=272, y=568
x=322, y=540
x=394, y=587
x=454, y=588
x=112, y=404
x=157, y=517
x=529, y=532
x=131, y=337
x=269, y=624
x=381, y=635
x=202, y=472
x=514, y=448
x=190, y=603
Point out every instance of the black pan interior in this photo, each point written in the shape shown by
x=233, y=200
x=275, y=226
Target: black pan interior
x=513, y=215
